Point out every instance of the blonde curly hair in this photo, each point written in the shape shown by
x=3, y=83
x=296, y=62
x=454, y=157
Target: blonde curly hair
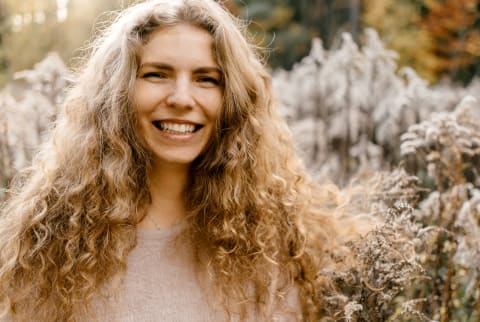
x=71, y=218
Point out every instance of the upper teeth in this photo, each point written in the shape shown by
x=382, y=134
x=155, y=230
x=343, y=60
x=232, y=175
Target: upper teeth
x=178, y=128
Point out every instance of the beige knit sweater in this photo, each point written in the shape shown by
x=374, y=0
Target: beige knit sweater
x=161, y=284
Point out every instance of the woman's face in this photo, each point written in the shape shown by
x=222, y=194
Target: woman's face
x=178, y=93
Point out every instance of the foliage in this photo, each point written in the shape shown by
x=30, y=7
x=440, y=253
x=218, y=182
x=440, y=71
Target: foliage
x=438, y=38
x=454, y=29
x=29, y=20
x=287, y=26
x=397, y=22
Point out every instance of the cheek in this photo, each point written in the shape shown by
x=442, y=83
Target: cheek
x=215, y=106
x=143, y=98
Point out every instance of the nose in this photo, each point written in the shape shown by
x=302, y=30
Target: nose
x=181, y=95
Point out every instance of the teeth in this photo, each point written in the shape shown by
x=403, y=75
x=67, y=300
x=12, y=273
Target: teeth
x=176, y=128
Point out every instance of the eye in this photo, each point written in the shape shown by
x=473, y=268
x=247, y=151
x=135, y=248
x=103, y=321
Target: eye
x=209, y=80
x=154, y=75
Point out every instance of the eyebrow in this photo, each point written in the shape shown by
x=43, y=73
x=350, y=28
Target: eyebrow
x=168, y=67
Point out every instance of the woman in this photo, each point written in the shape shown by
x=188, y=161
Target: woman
x=169, y=188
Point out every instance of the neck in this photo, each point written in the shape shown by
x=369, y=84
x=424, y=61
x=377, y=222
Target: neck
x=167, y=186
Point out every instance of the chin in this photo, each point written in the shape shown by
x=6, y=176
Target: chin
x=172, y=160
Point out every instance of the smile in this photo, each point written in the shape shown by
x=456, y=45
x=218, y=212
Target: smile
x=176, y=128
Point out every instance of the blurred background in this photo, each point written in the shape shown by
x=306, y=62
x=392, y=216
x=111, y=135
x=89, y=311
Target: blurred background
x=438, y=38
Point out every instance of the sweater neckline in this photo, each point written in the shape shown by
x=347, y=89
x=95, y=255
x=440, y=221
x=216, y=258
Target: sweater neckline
x=160, y=233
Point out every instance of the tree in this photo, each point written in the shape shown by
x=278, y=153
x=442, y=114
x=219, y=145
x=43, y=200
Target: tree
x=287, y=26
x=454, y=28
x=397, y=23
x=329, y=17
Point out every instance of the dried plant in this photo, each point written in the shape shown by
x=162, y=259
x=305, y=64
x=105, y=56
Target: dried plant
x=445, y=153
x=385, y=265
x=348, y=107
x=28, y=107
x=448, y=145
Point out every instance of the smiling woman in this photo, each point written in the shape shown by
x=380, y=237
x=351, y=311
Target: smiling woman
x=169, y=189
x=178, y=95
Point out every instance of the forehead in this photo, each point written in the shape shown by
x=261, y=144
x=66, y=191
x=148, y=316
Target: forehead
x=179, y=43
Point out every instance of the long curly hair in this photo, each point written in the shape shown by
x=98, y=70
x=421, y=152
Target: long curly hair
x=71, y=218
